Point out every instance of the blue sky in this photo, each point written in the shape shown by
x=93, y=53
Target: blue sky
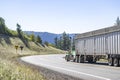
x=57, y=16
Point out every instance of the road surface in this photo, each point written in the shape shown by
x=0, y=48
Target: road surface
x=85, y=71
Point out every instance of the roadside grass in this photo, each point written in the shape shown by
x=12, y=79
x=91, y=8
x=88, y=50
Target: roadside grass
x=14, y=71
x=10, y=69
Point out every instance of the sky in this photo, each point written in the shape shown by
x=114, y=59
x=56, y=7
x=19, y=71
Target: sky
x=57, y=16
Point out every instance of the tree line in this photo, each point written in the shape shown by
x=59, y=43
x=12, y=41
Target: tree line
x=64, y=42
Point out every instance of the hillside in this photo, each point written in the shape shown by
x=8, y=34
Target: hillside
x=8, y=43
x=46, y=36
x=9, y=39
x=10, y=66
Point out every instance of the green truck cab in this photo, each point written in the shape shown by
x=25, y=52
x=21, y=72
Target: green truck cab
x=70, y=56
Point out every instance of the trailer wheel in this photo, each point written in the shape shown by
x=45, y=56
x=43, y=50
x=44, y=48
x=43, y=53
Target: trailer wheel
x=110, y=61
x=91, y=60
x=116, y=62
x=119, y=62
x=68, y=60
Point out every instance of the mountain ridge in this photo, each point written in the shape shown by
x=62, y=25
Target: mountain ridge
x=47, y=36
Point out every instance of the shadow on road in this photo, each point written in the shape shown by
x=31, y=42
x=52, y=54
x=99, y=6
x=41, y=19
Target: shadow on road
x=98, y=63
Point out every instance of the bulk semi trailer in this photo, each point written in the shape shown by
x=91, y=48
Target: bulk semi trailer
x=102, y=43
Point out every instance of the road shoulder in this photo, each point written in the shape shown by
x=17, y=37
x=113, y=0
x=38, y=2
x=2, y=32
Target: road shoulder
x=49, y=74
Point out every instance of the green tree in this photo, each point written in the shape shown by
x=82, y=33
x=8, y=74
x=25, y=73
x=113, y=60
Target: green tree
x=2, y=21
x=68, y=40
x=39, y=40
x=56, y=42
x=5, y=30
x=60, y=42
x=64, y=42
x=32, y=36
x=2, y=26
x=19, y=30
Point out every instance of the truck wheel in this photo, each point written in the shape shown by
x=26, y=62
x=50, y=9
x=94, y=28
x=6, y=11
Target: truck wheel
x=74, y=60
x=116, y=62
x=119, y=62
x=77, y=59
x=67, y=58
x=110, y=61
x=81, y=59
x=90, y=60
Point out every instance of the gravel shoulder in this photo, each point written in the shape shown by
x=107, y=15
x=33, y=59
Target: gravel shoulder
x=49, y=74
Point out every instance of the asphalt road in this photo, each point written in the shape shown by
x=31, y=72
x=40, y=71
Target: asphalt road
x=85, y=71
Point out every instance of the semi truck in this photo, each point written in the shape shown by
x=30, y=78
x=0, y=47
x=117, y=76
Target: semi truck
x=95, y=45
x=103, y=43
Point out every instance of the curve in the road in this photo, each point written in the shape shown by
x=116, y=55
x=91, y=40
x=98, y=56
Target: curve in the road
x=57, y=63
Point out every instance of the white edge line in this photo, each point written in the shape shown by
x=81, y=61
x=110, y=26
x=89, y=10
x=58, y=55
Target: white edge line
x=77, y=72
x=45, y=65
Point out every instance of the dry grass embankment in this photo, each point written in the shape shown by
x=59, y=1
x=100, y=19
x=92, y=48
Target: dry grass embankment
x=10, y=69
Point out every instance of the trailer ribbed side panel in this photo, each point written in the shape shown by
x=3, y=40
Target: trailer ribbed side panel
x=114, y=43
x=89, y=46
x=99, y=42
x=81, y=46
x=118, y=42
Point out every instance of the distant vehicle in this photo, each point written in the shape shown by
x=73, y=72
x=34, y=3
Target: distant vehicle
x=102, y=43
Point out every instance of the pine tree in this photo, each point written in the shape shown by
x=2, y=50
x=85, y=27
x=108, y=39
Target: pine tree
x=39, y=40
x=118, y=21
x=64, y=42
x=2, y=26
x=19, y=30
x=32, y=36
x=56, y=42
